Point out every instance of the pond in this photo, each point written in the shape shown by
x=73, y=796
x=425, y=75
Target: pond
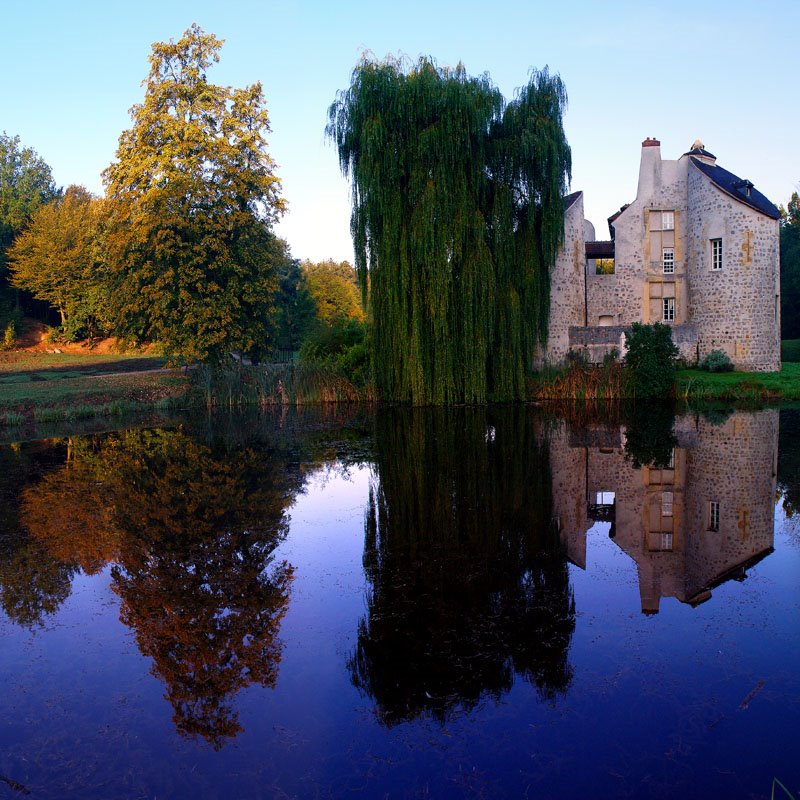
x=489, y=603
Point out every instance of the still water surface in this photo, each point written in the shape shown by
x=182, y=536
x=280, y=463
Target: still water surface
x=479, y=603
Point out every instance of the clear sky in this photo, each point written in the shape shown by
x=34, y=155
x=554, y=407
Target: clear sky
x=721, y=70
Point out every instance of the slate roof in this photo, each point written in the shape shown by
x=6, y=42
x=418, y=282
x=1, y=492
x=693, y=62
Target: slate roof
x=613, y=218
x=737, y=188
x=570, y=199
x=700, y=151
x=599, y=249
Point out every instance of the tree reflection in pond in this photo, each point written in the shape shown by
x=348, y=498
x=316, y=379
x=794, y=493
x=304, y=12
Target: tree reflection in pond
x=33, y=583
x=468, y=583
x=192, y=533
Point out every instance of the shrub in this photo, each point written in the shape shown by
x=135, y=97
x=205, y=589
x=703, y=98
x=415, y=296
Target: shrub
x=10, y=335
x=342, y=347
x=651, y=359
x=717, y=361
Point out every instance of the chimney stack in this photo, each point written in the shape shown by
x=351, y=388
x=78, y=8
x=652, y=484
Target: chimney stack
x=649, y=167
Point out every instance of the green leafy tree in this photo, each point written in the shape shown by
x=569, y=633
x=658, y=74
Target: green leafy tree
x=334, y=290
x=651, y=358
x=457, y=218
x=295, y=307
x=790, y=268
x=192, y=260
x=26, y=183
x=55, y=260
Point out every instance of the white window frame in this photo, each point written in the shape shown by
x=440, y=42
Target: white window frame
x=667, y=499
x=713, y=516
x=667, y=220
x=666, y=541
x=668, y=260
x=668, y=309
x=716, y=255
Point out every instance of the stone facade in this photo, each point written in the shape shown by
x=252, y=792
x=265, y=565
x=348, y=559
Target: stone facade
x=697, y=250
x=566, y=282
x=703, y=519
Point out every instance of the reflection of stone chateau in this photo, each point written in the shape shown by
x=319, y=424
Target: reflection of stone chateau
x=701, y=521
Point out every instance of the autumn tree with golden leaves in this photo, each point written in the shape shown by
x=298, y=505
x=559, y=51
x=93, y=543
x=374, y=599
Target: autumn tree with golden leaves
x=191, y=197
x=55, y=259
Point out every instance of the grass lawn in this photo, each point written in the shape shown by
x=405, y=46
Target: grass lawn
x=790, y=350
x=16, y=366
x=695, y=384
x=38, y=387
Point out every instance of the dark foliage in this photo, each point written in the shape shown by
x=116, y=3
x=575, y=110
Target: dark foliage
x=469, y=586
x=652, y=359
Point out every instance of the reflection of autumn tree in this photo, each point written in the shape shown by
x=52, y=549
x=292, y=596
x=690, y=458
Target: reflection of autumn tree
x=197, y=578
x=468, y=584
x=71, y=508
x=192, y=529
x=33, y=583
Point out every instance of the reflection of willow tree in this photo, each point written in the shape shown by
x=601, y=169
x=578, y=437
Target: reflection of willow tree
x=33, y=582
x=468, y=583
x=193, y=532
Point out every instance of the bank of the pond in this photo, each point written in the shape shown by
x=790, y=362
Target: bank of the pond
x=693, y=384
x=34, y=392
x=608, y=382
x=42, y=390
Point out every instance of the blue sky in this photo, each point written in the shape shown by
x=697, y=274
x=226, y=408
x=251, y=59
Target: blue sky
x=722, y=71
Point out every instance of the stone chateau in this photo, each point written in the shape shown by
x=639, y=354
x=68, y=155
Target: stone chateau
x=705, y=518
x=697, y=250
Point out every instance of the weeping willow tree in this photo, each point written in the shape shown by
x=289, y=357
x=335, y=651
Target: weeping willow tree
x=456, y=222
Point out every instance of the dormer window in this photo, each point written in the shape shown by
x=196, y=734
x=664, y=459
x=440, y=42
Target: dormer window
x=745, y=187
x=668, y=220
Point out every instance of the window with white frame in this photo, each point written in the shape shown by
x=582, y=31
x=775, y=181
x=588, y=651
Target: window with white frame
x=666, y=541
x=716, y=254
x=666, y=504
x=668, y=260
x=713, y=516
x=668, y=220
x=669, y=309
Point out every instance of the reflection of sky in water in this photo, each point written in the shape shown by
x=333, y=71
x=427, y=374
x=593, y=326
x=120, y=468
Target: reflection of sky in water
x=654, y=707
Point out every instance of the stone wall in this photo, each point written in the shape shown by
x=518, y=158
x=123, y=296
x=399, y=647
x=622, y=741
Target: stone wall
x=734, y=464
x=568, y=471
x=597, y=341
x=662, y=186
x=566, y=288
x=736, y=308
x=676, y=554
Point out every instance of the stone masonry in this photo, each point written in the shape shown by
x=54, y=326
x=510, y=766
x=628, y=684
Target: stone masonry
x=697, y=250
x=702, y=519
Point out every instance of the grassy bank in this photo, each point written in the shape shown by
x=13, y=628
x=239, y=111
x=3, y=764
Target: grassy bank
x=43, y=388
x=694, y=384
x=608, y=382
x=48, y=387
